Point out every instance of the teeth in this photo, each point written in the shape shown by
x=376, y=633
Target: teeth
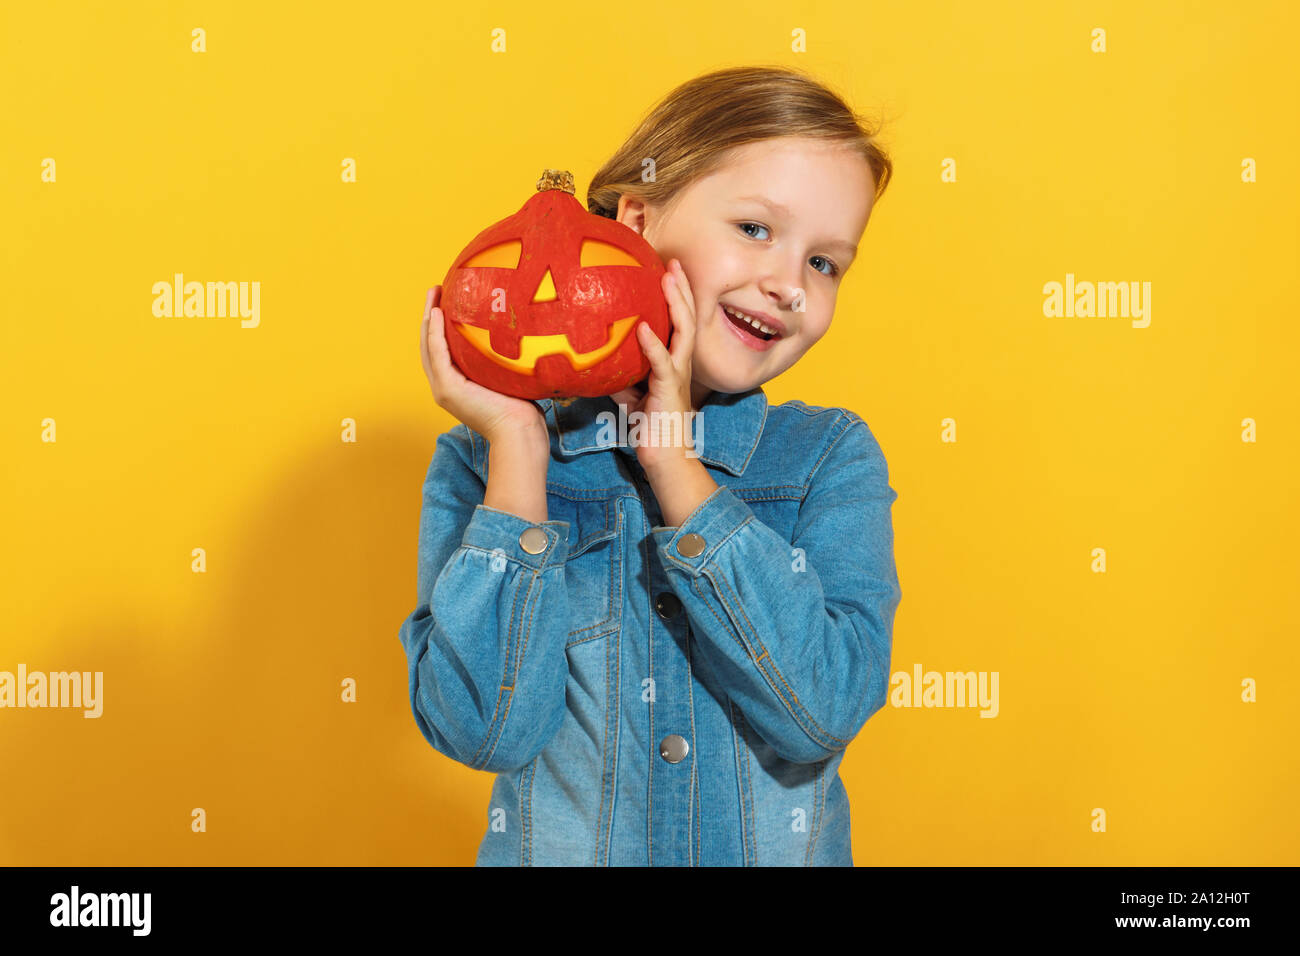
x=754, y=322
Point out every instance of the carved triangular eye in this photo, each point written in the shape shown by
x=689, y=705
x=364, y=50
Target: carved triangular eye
x=504, y=256
x=597, y=253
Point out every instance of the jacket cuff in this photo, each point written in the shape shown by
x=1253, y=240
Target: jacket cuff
x=502, y=534
x=705, y=529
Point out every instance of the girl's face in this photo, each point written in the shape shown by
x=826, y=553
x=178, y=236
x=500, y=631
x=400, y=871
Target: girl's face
x=770, y=233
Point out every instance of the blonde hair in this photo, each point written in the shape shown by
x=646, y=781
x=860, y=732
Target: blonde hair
x=689, y=133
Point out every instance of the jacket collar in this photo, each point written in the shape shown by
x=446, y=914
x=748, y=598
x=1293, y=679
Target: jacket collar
x=727, y=432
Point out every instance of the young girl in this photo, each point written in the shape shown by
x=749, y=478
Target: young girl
x=663, y=651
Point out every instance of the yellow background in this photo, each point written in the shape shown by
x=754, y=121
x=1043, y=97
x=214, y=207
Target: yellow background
x=1119, y=690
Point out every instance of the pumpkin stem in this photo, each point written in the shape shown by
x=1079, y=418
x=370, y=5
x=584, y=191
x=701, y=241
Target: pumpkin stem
x=556, y=179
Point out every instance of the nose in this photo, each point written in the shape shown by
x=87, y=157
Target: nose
x=782, y=291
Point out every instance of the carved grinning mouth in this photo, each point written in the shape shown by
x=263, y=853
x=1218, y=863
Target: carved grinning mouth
x=533, y=347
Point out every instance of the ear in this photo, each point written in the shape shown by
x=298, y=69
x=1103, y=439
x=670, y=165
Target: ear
x=631, y=213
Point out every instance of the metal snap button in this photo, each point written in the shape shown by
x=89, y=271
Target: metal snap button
x=690, y=545
x=673, y=748
x=668, y=605
x=533, y=540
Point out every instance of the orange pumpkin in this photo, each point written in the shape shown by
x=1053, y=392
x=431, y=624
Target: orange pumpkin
x=544, y=303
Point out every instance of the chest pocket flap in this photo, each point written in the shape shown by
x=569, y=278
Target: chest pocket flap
x=593, y=571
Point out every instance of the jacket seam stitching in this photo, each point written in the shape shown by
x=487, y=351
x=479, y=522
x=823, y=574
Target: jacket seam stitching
x=501, y=690
x=819, y=798
x=749, y=835
x=614, y=608
x=604, y=751
x=473, y=450
x=609, y=629
x=507, y=556
x=604, y=782
x=518, y=660
x=723, y=592
x=584, y=494
x=526, y=815
x=829, y=448
x=614, y=716
x=650, y=720
x=740, y=786
x=692, y=797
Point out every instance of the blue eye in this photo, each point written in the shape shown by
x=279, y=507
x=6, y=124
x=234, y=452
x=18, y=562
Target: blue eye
x=835, y=270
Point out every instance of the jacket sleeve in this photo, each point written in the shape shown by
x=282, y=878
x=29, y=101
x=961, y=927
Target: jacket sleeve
x=485, y=647
x=798, y=632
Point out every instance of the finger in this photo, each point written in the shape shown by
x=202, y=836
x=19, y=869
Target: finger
x=439, y=357
x=424, y=333
x=651, y=344
x=683, y=283
x=660, y=361
x=681, y=309
x=679, y=292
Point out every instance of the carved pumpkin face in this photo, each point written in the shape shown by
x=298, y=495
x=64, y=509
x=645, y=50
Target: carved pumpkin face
x=544, y=304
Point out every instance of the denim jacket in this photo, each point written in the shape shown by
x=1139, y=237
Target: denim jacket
x=657, y=695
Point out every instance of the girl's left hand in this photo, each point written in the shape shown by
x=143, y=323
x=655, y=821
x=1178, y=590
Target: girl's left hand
x=669, y=388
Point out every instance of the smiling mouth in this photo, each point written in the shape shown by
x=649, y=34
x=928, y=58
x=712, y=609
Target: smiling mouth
x=746, y=327
x=534, y=347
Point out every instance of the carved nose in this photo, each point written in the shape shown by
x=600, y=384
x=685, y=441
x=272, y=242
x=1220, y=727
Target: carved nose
x=545, y=289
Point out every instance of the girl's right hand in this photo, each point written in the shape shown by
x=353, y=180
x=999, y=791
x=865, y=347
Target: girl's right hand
x=491, y=414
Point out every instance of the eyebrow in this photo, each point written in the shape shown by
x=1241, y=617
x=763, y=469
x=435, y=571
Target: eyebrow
x=781, y=210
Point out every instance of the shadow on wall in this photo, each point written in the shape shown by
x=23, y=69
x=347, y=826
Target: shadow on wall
x=234, y=704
